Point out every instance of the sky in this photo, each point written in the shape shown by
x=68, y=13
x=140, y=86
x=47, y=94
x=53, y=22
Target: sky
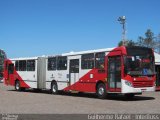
x=47, y=27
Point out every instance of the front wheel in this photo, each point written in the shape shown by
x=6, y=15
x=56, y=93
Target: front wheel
x=54, y=88
x=129, y=96
x=101, y=91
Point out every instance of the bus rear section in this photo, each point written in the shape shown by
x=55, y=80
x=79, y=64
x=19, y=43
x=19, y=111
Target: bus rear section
x=25, y=73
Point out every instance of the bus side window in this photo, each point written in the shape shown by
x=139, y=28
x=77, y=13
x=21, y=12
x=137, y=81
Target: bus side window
x=87, y=61
x=22, y=65
x=62, y=63
x=16, y=66
x=30, y=65
x=52, y=63
x=99, y=60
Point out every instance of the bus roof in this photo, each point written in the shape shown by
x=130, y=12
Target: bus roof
x=88, y=51
x=25, y=58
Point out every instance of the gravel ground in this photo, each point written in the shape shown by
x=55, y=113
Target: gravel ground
x=31, y=102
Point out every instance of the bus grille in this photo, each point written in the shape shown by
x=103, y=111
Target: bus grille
x=138, y=84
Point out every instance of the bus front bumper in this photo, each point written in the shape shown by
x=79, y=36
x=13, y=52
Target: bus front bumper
x=126, y=88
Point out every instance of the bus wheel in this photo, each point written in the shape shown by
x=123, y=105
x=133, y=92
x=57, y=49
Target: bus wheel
x=17, y=86
x=54, y=88
x=23, y=89
x=129, y=96
x=101, y=91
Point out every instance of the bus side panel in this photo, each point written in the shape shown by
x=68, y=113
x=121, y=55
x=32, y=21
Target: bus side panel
x=87, y=81
x=61, y=77
x=50, y=75
x=30, y=77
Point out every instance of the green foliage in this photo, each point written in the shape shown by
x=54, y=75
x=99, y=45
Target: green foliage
x=120, y=43
x=148, y=40
x=128, y=43
x=131, y=43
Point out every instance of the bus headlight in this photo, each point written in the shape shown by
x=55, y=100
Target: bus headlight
x=128, y=83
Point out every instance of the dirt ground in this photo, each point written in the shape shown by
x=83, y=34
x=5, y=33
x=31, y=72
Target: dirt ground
x=33, y=102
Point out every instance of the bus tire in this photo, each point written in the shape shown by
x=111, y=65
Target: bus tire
x=23, y=89
x=17, y=86
x=101, y=91
x=54, y=88
x=129, y=95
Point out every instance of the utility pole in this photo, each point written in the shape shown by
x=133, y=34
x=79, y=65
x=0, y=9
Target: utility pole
x=122, y=21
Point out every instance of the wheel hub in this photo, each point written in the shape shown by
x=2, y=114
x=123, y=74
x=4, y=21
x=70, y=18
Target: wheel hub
x=54, y=88
x=101, y=91
x=17, y=86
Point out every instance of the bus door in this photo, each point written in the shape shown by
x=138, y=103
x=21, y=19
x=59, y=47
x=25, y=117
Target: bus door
x=73, y=72
x=158, y=75
x=10, y=76
x=114, y=72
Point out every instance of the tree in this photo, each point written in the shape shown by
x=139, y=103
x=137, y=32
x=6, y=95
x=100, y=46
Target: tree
x=120, y=43
x=129, y=43
x=148, y=41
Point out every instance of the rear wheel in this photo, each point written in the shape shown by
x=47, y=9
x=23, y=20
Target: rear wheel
x=23, y=89
x=54, y=88
x=101, y=91
x=17, y=86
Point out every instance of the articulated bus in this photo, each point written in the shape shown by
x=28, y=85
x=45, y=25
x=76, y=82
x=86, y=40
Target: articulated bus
x=121, y=70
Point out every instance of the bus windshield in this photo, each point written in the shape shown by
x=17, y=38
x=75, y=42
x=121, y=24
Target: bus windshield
x=140, y=62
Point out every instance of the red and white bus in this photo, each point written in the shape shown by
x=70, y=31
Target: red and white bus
x=123, y=70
